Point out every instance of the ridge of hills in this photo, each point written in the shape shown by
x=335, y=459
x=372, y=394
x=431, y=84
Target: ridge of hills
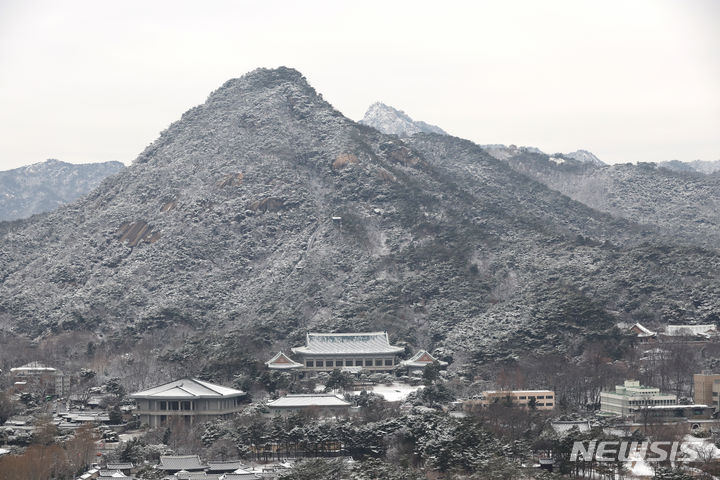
x=42, y=187
x=221, y=236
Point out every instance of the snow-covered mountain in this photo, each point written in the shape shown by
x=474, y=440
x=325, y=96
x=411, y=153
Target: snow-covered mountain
x=700, y=166
x=392, y=121
x=42, y=187
x=585, y=157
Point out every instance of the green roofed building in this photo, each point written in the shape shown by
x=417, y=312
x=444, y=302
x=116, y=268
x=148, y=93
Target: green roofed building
x=370, y=351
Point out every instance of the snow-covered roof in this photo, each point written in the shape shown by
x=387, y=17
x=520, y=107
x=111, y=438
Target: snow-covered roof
x=682, y=330
x=421, y=359
x=282, y=362
x=309, y=400
x=644, y=331
x=347, y=344
x=669, y=407
x=225, y=466
x=35, y=367
x=180, y=462
x=189, y=388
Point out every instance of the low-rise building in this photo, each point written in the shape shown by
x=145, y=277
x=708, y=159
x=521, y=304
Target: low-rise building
x=644, y=334
x=417, y=363
x=190, y=400
x=537, y=399
x=322, y=404
x=700, y=331
x=177, y=463
x=626, y=398
x=670, y=413
x=39, y=378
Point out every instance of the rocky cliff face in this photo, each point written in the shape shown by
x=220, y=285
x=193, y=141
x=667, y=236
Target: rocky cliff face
x=396, y=122
x=42, y=187
x=265, y=212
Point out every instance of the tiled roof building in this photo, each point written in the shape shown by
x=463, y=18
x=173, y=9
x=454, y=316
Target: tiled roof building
x=188, y=399
x=328, y=351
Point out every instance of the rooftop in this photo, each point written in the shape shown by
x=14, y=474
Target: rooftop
x=309, y=400
x=34, y=367
x=422, y=359
x=347, y=343
x=282, y=362
x=189, y=388
x=180, y=462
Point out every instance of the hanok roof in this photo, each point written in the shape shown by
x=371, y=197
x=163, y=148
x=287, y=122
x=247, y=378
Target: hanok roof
x=641, y=330
x=422, y=359
x=309, y=400
x=181, y=462
x=226, y=466
x=189, y=388
x=347, y=343
x=244, y=475
x=680, y=330
x=34, y=367
x=119, y=466
x=112, y=474
x=282, y=362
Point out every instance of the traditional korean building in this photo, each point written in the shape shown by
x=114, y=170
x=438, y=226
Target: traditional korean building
x=283, y=363
x=644, y=334
x=324, y=352
x=324, y=404
x=189, y=399
x=177, y=463
x=417, y=363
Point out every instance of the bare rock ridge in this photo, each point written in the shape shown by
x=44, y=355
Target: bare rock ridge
x=42, y=187
x=396, y=122
x=264, y=212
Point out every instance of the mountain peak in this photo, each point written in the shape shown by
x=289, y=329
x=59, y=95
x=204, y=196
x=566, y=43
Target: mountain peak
x=585, y=157
x=392, y=121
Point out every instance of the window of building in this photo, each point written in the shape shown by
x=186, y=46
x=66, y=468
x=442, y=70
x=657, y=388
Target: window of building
x=378, y=362
x=163, y=405
x=368, y=362
x=388, y=362
x=549, y=404
x=358, y=363
x=185, y=405
x=541, y=397
x=328, y=363
x=523, y=397
x=540, y=404
x=309, y=363
x=173, y=405
x=549, y=397
x=348, y=363
x=319, y=363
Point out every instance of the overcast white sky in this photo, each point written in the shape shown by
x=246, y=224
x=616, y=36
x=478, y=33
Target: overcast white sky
x=635, y=80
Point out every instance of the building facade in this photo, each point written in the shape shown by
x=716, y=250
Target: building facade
x=630, y=396
x=370, y=351
x=189, y=400
x=40, y=378
x=706, y=388
x=538, y=399
x=416, y=364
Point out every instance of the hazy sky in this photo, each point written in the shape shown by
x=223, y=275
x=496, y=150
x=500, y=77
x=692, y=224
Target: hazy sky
x=630, y=80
